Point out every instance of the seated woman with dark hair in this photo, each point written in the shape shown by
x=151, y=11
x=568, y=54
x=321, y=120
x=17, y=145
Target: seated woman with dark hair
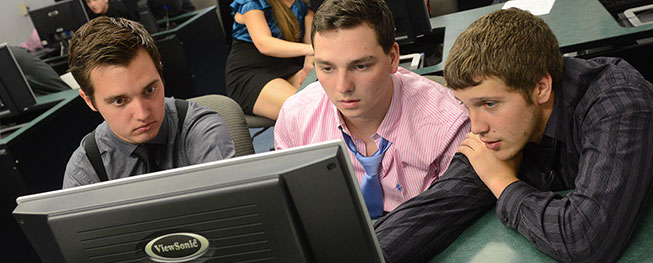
x=270, y=54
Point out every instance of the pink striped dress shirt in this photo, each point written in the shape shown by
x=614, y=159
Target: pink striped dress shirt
x=425, y=124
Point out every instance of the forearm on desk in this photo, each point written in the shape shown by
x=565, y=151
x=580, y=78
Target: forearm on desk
x=425, y=225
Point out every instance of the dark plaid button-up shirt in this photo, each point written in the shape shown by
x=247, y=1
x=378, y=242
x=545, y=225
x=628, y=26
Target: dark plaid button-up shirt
x=598, y=141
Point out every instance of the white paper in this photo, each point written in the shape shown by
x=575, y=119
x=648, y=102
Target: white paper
x=536, y=7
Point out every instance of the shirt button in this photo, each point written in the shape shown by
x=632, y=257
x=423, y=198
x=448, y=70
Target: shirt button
x=399, y=187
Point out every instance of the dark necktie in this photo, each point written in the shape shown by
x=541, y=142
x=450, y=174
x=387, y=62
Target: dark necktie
x=371, y=183
x=146, y=152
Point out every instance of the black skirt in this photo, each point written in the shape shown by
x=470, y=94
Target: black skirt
x=248, y=71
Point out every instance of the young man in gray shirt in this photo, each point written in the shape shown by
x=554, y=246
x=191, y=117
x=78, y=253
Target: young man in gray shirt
x=117, y=65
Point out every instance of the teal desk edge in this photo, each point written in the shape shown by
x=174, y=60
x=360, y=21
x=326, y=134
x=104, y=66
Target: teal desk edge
x=186, y=18
x=577, y=24
x=488, y=240
x=63, y=97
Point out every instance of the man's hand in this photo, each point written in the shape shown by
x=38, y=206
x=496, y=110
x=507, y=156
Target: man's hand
x=496, y=174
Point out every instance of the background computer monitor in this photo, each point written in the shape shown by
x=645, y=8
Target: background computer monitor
x=56, y=23
x=15, y=94
x=194, y=55
x=411, y=17
x=296, y=205
x=412, y=20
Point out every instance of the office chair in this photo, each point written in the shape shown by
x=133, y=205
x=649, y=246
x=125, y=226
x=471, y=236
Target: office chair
x=443, y=7
x=233, y=116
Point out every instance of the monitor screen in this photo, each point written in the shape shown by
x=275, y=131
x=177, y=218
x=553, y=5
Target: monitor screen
x=16, y=96
x=56, y=23
x=411, y=17
x=295, y=205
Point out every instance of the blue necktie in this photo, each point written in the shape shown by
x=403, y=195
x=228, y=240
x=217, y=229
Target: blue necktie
x=371, y=184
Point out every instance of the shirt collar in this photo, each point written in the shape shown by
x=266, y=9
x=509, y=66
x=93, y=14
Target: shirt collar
x=552, y=124
x=559, y=118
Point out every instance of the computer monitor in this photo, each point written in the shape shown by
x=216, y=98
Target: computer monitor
x=295, y=205
x=411, y=17
x=194, y=55
x=16, y=96
x=56, y=23
x=412, y=20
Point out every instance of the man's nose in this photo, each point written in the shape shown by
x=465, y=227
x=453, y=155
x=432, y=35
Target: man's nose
x=479, y=124
x=343, y=82
x=140, y=109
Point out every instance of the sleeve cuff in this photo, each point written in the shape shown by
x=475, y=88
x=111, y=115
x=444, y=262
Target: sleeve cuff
x=242, y=6
x=509, y=201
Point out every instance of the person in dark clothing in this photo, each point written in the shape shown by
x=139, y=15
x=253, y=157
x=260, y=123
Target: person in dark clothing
x=540, y=124
x=112, y=8
x=41, y=77
x=170, y=8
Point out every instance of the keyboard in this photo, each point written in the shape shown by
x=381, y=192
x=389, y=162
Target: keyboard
x=617, y=6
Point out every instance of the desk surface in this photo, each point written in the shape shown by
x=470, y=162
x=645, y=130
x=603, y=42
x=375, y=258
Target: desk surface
x=63, y=97
x=578, y=24
x=488, y=240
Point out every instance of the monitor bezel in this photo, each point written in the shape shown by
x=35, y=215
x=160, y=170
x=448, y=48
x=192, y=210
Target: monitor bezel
x=15, y=99
x=342, y=155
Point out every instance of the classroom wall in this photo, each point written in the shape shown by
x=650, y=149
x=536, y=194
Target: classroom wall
x=14, y=26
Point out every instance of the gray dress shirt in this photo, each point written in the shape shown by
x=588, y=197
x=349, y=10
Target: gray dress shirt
x=597, y=141
x=204, y=138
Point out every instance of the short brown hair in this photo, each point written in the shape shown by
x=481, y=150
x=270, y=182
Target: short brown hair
x=345, y=14
x=512, y=45
x=107, y=41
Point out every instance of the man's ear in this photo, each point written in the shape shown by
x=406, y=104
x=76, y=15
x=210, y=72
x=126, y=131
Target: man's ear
x=394, y=56
x=543, y=91
x=87, y=99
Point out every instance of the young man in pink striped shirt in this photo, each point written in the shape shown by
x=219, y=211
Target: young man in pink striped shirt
x=363, y=94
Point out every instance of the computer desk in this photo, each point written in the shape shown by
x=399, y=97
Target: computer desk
x=488, y=240
x=578, y=25
x=36, y=154
x=33, y=158
x=57, y=98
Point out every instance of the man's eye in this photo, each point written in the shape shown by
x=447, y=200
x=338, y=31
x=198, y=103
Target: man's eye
x=326, y=69
x=490, y=104
x=118, y=101
x=361, y=67
x=149, y=90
